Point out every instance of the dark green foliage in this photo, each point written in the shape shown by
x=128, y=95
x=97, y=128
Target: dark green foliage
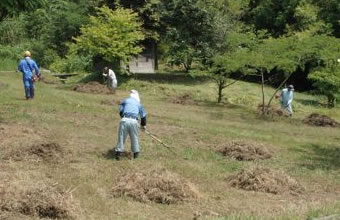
x=330, y=13
x=14, y=7
x=187, y=29
x=149, y=13
x=272, y=15
x=50, y=28
x=276, y=39
x=56, y=24
x=11, y=30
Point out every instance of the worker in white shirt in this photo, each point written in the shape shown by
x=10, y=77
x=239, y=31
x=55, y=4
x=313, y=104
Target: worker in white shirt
x=111, y=78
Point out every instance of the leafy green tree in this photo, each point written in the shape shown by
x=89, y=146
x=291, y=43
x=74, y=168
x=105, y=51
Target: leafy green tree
x=232, y=56
x=282, y=54
x=187, y=31
x=114, y=35
x=327, y=82
x=73, y=62
x=326, y=76
x=291, y=53
x=228, y=55
x=224, y=66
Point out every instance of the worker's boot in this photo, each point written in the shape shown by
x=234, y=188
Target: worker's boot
x=135, y=155
x=32, y=92
x=118, y=155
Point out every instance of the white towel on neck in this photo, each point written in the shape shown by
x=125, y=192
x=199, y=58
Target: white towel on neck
x=134, y=94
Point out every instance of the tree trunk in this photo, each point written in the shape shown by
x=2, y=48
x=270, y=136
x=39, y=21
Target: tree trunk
x=155, y=51
x=277, y=89
x=220, y=89
x=187, y=65
x=262, y=77
x=331, y=101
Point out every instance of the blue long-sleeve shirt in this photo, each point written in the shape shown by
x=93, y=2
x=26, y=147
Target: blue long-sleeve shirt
x=132, y=108
x=286, y=97
x=27, y=70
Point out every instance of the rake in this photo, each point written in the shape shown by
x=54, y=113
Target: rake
x=158, y=140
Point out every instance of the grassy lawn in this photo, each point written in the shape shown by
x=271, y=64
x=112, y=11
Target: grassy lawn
x=183, y=114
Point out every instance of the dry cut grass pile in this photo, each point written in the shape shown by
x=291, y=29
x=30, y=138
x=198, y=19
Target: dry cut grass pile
x=22, y=199
x=93, y=88
x=185, y=99
x=245, y=151
x=266, y=180
x=47, y=152
x=316, y=119
x=155, y=185
x=271, y=110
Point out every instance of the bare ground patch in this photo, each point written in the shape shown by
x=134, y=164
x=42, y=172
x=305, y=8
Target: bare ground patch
x=16, y=134
x=185, y=99
x=316, y=119
x=49, y=80
x=245, y=151
x=266, y=180
x=271, y=111
x=21, y=143
x=110, y=102
x=93, y=88
x=47, y=152
x=20, y=199
x=155, y=185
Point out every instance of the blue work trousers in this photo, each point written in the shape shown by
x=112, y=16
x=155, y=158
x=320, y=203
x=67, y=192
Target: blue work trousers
x=29, y=88
x=128, y=126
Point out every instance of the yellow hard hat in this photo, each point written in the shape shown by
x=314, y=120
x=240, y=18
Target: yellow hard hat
x=27, y=54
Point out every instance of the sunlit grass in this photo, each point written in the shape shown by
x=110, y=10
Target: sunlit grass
x=88, y=128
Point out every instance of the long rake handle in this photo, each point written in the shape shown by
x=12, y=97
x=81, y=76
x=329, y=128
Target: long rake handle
x=155, y=138
x=158, y=140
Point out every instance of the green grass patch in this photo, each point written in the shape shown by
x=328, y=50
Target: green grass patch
x=183, y=113
x=8, y=64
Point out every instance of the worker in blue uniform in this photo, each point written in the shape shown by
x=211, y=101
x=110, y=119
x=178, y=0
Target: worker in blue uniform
x=30, y=73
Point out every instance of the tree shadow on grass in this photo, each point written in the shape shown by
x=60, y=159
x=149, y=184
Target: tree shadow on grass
x=315, y=156
x=110, y=155
x=308, y=102
x=181, y=79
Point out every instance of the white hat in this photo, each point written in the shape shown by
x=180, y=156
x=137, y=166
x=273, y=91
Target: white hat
x=134, y=94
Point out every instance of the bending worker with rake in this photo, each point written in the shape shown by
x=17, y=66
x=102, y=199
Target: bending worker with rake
x=130, y=109
x=286, y=98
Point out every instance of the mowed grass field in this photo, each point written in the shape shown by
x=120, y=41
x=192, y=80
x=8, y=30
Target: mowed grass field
x=183, y=113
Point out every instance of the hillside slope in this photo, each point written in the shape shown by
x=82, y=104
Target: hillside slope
x=58, y=146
